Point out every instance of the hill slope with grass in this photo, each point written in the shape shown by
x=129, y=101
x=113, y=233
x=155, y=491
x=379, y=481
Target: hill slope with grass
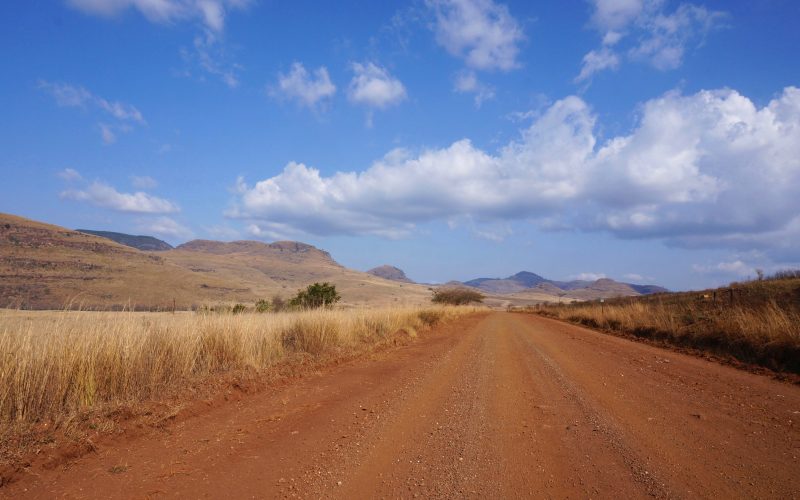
x=43, y=266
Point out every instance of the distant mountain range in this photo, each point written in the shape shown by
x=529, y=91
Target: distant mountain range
x=145, y=243
x=526, y=281
x=44, y=266
x=530, y=285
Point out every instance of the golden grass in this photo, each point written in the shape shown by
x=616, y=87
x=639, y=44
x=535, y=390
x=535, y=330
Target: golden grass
x=762, y=332
x=54, y=365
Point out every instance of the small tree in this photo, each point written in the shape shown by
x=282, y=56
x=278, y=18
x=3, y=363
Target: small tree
x=316, y=295
x=262, y=306
x=456, y=296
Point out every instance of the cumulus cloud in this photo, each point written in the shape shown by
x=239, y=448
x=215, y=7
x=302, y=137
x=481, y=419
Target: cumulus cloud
x=211, y=13
x=105, y=196
x=467, y=83
x=481, y=32
x=75, y=96
x=646, y=32
x=373, y=86
x=699, y=170
x=165, y=227
x=306, y=88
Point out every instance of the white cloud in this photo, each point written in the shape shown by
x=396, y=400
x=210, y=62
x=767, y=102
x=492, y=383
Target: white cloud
x=481, y=32
x=107, y=133
x=373, y=86
x=737, y=268
x=226, y=233
x=211, y=13
x=466, y=82
x=306, y=88
x=652, y=35
x=637, y=278
x=596, y=61
x=588, y=276
x=209, y=54
x=143, y=182
x=120, y=111
x=105, y=196
x=611, y=15
x=67, y=95
x=70, y=174
x=165, y=227
x=705, y=169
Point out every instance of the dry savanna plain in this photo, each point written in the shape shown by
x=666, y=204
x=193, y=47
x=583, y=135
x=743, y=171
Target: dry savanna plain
x=190, y=373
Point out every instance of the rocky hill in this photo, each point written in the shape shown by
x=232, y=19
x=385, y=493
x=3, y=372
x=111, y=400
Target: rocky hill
x=49, y=267
x=388, y=272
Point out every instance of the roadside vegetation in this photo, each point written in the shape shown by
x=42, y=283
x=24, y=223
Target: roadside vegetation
x=57, y=367
x=456, y=296
x=755, y=322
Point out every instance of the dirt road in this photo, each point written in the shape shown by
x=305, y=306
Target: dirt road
x=499, y=406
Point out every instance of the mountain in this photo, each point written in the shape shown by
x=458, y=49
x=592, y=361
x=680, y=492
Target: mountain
x=522, y=283
x=146, y=243
x=388, y=272
x=49, y=267
x=648, y=289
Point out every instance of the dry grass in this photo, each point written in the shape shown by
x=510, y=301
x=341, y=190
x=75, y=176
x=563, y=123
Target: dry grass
x=758, y=322
x=55, y=365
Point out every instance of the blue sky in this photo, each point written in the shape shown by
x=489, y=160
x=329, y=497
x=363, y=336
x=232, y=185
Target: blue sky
x=643, y=140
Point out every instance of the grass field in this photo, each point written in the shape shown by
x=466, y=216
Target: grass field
x=755, y=322
x=58, y=365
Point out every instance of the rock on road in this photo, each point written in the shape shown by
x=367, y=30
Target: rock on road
x=496, y=405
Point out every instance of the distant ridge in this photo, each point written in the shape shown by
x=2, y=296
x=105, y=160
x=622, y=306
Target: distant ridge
x=390, y=273
x=145, y=243
x=526, y=281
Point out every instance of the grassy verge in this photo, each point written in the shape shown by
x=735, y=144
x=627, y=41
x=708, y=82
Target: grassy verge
x=57, y=366
x=756, y=322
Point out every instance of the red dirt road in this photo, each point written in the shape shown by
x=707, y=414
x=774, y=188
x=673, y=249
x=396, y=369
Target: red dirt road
x=497, y=406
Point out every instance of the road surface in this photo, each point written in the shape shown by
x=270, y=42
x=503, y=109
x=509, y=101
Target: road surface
x=495, y=406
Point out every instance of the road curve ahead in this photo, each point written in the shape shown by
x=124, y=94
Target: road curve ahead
x=495, y=406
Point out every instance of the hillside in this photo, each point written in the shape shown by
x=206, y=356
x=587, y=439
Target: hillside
x=47, y=267
x=390, y=273
x=146, y=243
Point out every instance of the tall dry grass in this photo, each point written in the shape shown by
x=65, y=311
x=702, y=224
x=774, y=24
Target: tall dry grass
x=763, y=332
x=56, y=364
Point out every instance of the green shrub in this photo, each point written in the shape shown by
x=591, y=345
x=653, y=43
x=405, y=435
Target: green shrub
x=262, y=306
x=456, y=296
x=238, y=309
x=316, y=295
